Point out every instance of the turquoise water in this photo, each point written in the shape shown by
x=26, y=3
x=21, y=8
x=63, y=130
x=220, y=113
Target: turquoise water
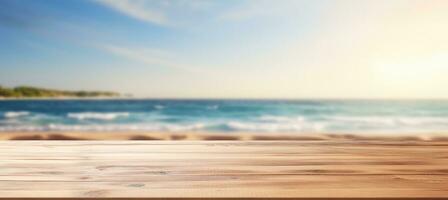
x=311, y=116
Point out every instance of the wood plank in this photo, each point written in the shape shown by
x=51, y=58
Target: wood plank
x=223, y=169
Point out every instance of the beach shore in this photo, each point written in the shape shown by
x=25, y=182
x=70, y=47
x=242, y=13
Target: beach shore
x=195, y=136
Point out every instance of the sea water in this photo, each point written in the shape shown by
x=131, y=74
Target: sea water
x=300, y=116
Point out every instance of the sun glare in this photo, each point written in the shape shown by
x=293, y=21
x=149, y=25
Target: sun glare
x=405, y=72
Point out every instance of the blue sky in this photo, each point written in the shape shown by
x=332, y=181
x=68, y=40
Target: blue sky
x=228, y=49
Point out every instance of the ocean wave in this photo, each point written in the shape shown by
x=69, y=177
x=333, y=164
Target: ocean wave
x=275, y=127
x=213, y=107
x=159, y=107
x=272, y=118
x=97, y=116
x=422, y=120
x=12, y=114
x=111, y=127
x=265, y=122
x=390, y=120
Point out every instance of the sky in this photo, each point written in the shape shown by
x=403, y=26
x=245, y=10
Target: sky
x=228, y=49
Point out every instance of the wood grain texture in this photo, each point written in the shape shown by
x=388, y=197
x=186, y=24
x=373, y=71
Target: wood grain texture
x=340, y=168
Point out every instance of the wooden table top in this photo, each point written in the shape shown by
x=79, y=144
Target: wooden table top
x=223, y=169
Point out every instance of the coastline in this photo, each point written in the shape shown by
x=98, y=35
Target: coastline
x=210, y=136
x=220, y=98
x=62, y=98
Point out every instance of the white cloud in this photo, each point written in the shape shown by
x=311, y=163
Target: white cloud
x=138, y=10
x=187, y=12
x=142, y=55
x=261, y=8
x=171, y=13
x=151, y=57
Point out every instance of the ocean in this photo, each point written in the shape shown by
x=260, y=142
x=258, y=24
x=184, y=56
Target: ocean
x=292, y=116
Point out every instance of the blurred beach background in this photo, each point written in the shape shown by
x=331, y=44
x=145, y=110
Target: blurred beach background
x=291, y=66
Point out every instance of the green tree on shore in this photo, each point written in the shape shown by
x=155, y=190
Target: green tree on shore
x=30, y=92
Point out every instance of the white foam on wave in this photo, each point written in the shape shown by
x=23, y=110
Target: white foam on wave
x=213, y=107
x=422, y=120
x=272, y=118
x=12, y=114
x=387, y=124
x=109, y=127
x=98, y=116
x=159, y=107
x=388, y=121
x=276, y=127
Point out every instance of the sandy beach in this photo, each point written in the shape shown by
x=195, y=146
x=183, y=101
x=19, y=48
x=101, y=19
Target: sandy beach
x=240, y=136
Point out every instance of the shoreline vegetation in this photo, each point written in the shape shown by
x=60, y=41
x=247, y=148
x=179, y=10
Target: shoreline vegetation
x=28, y=92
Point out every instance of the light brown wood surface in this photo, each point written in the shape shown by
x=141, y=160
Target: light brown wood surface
x=339, y=168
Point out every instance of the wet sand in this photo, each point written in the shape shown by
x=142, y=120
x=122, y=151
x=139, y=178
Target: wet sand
x=210, y=136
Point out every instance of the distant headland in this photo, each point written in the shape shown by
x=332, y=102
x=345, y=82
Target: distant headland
x=35, y=92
